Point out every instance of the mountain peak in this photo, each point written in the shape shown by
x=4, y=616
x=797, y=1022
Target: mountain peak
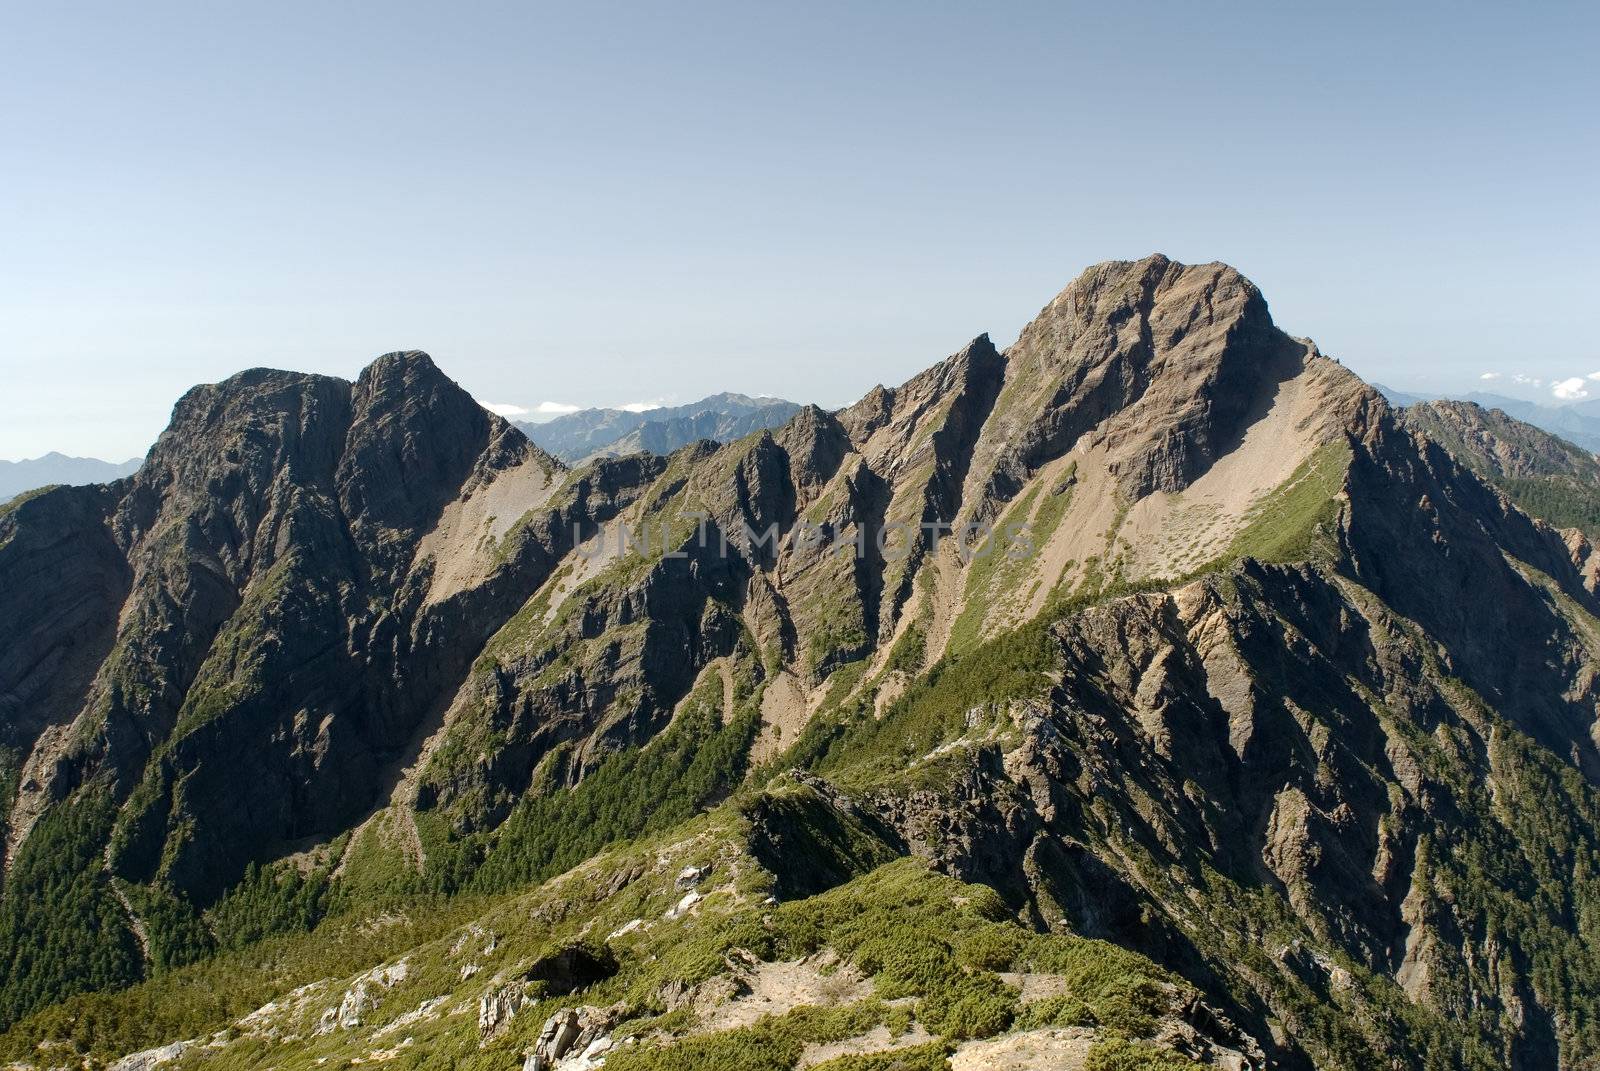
x=1114, y=285
x=403, y=370
x=1163, y=362
x=405, y=362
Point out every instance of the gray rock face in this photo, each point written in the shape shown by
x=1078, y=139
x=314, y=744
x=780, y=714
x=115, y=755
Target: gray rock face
x=573, y=1039
x=362, y=998
x=1163, y=363
x=498, y=1007
x=152, y=1058
x=270, y=609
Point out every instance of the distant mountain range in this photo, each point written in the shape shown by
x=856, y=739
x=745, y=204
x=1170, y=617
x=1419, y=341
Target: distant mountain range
x=53, y=468
x=591, y=433
x=1578, y=423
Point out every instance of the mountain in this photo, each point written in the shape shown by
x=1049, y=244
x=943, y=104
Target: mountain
x=1578, y=423
x=1149, y=694
x=591, y=433
x=53, y=468
x=1545, y=475
x=1398, y=398
x=1568, y=421
x=666, y=435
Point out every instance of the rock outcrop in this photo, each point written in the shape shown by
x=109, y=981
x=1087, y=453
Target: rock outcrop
x=573, y=1039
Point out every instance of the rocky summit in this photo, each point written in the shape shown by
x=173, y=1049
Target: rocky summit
x=1146, y=695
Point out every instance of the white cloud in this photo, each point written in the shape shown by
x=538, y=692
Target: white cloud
x=639, y=407
x=1593, y=376
x=1532, y=381
x=1490, y=375
x=1569, y=390
x=537, y=414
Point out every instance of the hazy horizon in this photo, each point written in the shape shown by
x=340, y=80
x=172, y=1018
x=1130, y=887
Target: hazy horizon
x=803, y=203
x=1500, y=386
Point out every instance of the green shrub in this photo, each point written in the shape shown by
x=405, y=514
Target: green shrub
x=968, y=1004
x=910, y=650
x=1288, y=523
x=1063, y=1010
x=1120, y=1054
x=1122, y=990
x=933, y=1056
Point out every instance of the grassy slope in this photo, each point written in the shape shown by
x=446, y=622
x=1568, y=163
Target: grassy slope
x=947, y=986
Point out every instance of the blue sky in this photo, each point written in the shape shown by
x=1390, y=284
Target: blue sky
x=602, y=204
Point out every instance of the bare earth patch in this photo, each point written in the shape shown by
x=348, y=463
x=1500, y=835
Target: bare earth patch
x=1032, y=987
x=778, y=988
x=462, y=543
x=878, y=1039
x=1056, y=1049
x=783, y=716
